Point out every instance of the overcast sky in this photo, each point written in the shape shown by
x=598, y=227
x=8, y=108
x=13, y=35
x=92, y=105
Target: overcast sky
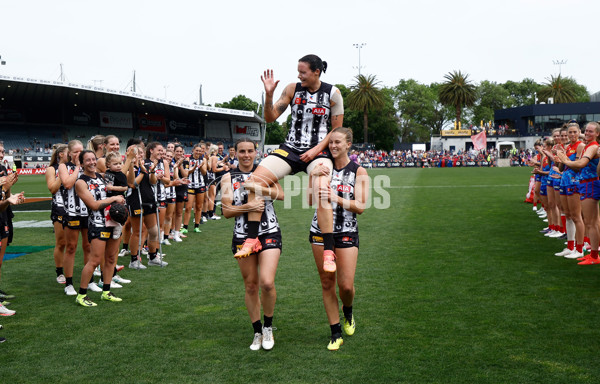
x=174, y=46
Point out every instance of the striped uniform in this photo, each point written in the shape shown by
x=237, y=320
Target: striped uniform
x=196, y=184
x=6, y=230
x=96, y=219
x=345, y=225
x=170, y=191
x=589, y=185
x=159, y=188
x=75, y=208
x=269, y=233
x=311, y=116
x=210, y=175
x=58, y=207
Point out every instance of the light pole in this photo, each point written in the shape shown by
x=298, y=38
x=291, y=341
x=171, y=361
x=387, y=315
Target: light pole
x=560, y=64
x=359, y=46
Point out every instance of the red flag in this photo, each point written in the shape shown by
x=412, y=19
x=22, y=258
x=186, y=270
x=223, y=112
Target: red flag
x=479, y=141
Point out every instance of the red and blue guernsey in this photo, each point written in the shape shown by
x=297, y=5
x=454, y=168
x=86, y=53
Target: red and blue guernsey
x=569, y=176
x=589, y=172
x=589, y=185
x=546, y=167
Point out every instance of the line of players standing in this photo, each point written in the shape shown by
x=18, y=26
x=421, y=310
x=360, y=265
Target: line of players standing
x=8, y=179
x=156, y=184
x=567, y=185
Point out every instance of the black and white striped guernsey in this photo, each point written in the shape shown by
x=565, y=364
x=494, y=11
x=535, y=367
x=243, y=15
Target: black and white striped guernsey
x=73, y=204
x=97, y=188
x=311, y=116
x=196, y=178
x=57, y=198
x=160, y=189
x=268, y=220
x=343, y=181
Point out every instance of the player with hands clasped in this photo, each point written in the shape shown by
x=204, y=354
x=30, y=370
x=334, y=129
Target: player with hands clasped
x=258, y=269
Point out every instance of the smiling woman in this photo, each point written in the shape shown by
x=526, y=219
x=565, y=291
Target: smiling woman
x=259, y=267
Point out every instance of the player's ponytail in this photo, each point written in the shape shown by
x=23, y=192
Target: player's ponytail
x=314, y=62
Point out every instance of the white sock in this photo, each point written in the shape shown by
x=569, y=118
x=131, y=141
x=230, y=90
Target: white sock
x=570, y=230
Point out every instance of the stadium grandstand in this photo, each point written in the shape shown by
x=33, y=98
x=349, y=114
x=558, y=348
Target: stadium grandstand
x=35, y=114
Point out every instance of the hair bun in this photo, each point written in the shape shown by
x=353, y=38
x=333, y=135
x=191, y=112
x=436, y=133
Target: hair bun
x=324, y=66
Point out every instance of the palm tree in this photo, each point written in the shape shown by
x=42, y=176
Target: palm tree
x=365, y=96
x=562, y=89
x=457, y=92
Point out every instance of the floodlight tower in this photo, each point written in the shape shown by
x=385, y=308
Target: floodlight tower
x=560, y=63
x=359, y=46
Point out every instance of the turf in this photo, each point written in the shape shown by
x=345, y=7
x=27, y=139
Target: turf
x=454, y=285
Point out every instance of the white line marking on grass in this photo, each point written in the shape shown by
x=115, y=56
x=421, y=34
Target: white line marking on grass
x=33, y=224
x=43, y=210
x=457, y=186
x=443, y=186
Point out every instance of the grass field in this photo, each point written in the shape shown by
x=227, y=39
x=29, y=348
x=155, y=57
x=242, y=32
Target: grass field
x=454, y=285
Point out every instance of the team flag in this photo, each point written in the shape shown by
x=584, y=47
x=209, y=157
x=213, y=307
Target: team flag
x=479, y=141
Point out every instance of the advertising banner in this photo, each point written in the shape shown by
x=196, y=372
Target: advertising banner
x=456, y=132
x=31, y=171
x=116, y=120
x=154, y=123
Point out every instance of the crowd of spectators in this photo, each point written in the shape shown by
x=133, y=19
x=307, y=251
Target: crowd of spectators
x=432, y=158
x=500, y=130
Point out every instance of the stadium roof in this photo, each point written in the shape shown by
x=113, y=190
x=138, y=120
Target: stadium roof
x=15, y=90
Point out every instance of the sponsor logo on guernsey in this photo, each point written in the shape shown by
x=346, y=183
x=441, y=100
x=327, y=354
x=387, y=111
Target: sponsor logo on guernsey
x=92, y=187
x=236, y=185
x=343, y=188
x=299, y=101
x=190, y=190
x=137, y=211
x=73, y=223
x=281, y=152
x=346, y=238
x=319, y=111
x=104, y=235
x=317, y=239
x=269, y=241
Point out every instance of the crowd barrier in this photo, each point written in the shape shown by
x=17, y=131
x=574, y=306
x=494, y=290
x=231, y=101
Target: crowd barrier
x=420, y=164
x=31, y=171
x=377, y=164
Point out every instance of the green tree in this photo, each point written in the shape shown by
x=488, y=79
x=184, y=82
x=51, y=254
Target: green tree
x=419, y=109
x=384, y=129
x=352, y=119
x=490, y=96
x=275, y=133
x=365, y=96
x=239, y=102
x=563, y=90
x=457, y=92
x=521, y=93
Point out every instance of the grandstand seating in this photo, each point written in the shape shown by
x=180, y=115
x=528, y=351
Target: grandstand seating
x=32, y=138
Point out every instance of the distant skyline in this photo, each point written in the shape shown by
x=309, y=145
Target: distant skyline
x=225, y=46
